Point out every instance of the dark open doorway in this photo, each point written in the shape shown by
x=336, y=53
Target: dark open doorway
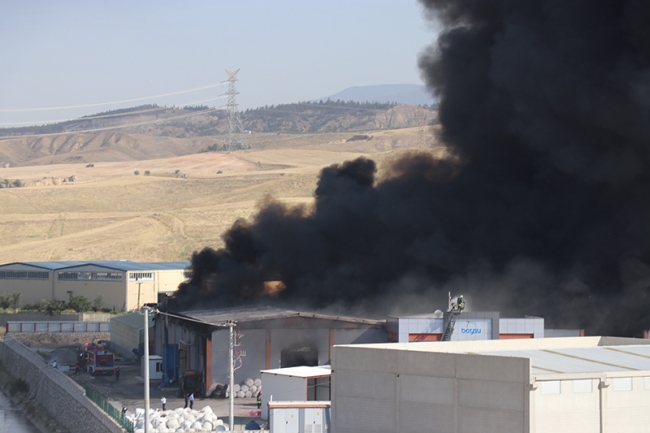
x=298, y=356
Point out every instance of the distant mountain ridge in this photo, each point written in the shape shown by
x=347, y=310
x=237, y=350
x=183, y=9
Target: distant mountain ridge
x=408, y=94
x=151, y=131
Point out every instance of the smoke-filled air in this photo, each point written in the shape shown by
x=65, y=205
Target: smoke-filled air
x=541, y=207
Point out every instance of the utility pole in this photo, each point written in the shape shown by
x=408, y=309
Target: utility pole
x=145, y=310
x=235, y=127
x=231, y=368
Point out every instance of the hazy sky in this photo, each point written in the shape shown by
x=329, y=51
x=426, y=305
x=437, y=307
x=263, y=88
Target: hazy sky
x=69, y=53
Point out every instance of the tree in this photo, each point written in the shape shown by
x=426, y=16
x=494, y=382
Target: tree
x=98, y=303
x=10, y=301
x=55, y=307
x=147, y=173
x=80, y=304
x=136, y=172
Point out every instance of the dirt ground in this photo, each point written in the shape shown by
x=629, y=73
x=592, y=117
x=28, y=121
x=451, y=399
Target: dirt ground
x=109, y=213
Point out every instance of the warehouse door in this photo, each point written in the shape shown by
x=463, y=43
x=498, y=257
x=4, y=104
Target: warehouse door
x=299, y=356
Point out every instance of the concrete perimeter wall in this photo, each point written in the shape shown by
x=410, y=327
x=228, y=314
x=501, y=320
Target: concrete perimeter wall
x=61, y=397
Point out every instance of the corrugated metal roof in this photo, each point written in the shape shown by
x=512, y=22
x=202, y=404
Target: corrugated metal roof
x=121, y=265
x=582, y=360
x=304, y=371
x=265, y=313
x=52, y=266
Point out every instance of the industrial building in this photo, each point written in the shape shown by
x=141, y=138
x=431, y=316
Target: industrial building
x=547, y=385
x=473, y=325
x=266, y=338
x=127, y=334
x=122, y=284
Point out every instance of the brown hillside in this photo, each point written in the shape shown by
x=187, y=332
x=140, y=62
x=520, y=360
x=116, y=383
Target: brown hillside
x=108, y=212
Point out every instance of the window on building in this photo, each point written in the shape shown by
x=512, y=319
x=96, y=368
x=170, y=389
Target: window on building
x=551, y=387
x=646, y=381
x=582, y=386
x=622, y=384
x=141, y=276
x=93, y=276
x=24, y=275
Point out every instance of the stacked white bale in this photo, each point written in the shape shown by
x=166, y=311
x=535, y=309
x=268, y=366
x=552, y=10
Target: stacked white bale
x=181, y=420
x=258, y=382
x=249, y=382
x=236, y=388
x=253, y=389
x=244, y=388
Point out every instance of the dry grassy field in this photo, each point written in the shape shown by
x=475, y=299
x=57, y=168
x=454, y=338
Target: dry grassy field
x=109, y=213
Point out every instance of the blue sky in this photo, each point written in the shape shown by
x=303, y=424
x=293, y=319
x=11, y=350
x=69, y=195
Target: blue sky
x=70, y=53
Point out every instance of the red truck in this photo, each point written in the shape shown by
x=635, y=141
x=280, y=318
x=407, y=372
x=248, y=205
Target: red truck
x=100, y=363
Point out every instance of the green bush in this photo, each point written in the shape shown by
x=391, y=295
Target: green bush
x=136, y=172
x=55, y=307
x=98, y=303
x=10, y=301
x=80, y=304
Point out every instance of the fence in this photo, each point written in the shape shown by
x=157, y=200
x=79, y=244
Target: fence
x=32, y=326
x=110, y=410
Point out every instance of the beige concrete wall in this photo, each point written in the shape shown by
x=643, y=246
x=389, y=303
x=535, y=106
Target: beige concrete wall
x=112, y=292
x=32, y=290
x=568, y=411
x=608, y=407
x=380, y=390
x=168, y=280
x=144, y=292
x=140, y=293
x=628, y=411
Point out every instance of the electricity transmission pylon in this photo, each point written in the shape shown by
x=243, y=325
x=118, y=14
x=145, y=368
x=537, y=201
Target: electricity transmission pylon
x=235, y=128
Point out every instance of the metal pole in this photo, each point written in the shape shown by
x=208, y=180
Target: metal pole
x=146, y=369
x=231, y=387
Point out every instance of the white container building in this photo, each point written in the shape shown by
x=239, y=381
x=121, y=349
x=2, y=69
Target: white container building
x=295, y=384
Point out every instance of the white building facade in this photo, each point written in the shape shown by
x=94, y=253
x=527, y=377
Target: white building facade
x=551, y=385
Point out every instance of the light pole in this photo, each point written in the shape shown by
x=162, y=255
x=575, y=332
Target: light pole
x=231, y=368
x=145, y=310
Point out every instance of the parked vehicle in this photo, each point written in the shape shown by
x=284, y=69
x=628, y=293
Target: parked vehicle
x=100, y=363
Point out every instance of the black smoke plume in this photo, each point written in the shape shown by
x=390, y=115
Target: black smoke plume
x=542, y=208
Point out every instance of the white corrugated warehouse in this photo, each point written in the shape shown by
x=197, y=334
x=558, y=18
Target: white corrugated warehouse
x=584, y=384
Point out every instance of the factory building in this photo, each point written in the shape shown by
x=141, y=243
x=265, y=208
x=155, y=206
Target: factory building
x=127, y=334
x=266, y=338
x=122, y=284
x=469, y=326
x=547, y=385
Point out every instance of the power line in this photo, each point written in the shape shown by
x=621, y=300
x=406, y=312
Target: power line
x=36, y=123
x=16, y=110
x=113, y=127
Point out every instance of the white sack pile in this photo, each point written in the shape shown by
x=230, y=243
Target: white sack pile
x=182, y=420
x=248, y=389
